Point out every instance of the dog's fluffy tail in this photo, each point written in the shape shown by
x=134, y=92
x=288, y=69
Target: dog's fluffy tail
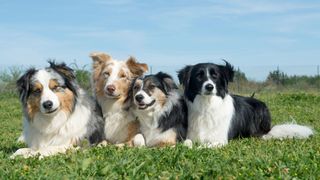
x=287, y=131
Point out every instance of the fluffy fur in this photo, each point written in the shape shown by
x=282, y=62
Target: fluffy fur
x=160, y=109
x=111, y=80
x=215, y=116
x=57, y=114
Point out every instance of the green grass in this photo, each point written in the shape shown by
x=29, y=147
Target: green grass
x=244, y=158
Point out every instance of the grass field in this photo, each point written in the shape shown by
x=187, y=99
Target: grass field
x=244, y=158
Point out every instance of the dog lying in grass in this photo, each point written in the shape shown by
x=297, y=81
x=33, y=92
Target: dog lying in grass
x=160, y=109
x=215, y=116
x=57, y=113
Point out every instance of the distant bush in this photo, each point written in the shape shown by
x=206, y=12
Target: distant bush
x=276, y=81
x=8, y=79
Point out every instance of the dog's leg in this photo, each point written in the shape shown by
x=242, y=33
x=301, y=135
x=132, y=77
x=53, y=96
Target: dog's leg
x=139, y=140
x=53, y=150
x=167, y=138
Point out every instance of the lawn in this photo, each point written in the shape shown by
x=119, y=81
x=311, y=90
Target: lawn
x=242, y=158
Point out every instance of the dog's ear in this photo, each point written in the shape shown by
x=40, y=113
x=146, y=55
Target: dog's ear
x=129, y=99
x=62, y=69
x=228, y=71
x=167, y=82
x=99, y=58
x=184, y=75
x=24, y=84
x=137, y=69
x=66, y=73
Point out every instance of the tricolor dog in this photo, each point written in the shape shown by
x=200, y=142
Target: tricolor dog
x=160, y=109
x=57, y=113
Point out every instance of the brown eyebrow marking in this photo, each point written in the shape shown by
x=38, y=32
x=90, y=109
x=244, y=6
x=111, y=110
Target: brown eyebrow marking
x=53, y=83
x=37, y=86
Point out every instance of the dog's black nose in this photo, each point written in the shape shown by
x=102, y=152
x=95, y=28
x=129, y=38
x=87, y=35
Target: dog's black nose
x=47, y=105
x=209, y=87
x=139, y=97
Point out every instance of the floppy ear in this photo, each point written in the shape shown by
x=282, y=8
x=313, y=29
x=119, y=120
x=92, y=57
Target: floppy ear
x=184, y=75
x=66, y=73
x=23, y=84
x=228, y=71
x=167, y=81
x=63, y=70
x=99, y=58
x=137, y=69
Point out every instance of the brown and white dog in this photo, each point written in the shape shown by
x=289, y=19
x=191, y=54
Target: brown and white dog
x=57, y=113
x=111, y=80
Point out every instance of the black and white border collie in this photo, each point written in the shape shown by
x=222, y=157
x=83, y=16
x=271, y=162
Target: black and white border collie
x=160, y=109
x=215, y=116
x=57, y=114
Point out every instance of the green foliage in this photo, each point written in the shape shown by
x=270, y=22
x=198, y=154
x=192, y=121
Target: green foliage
x=250, y=158
x=82, y=75
x=8, y=79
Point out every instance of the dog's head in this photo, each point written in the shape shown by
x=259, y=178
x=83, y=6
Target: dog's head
x=206, y=79
x=111, y=78
x=48, y=91
x=151, y=91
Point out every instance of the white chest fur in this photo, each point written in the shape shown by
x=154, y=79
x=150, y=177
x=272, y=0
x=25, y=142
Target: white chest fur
x=60, y=130
x=116, y=122
x=209, y=119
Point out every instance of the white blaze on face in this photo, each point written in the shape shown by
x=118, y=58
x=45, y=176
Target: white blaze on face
x=208, y=82
x=44, y=77
x=114, y=74
x=146, y=98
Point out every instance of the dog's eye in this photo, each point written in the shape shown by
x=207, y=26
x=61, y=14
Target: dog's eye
x=106, y=74
x=213, y=74
x=200, y=74
x=57, y=88
x=37, y=91
x=136, y=87
x=152, y=86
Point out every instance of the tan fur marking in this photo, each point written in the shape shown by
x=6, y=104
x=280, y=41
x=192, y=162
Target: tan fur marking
x=133, y=129
x=33, y=102
x=137, y=69
x=160, y=96
x=99, y=57
x=169, y=141
x=66, y=100
x=37, y=86
x=53, y=84
x=33, y=106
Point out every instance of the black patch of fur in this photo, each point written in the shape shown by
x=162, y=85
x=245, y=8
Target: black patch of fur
x=166, y=81
x=24, y=85
x=177, y=118
x=98, y=134
x=67, y=74
x=251, y=118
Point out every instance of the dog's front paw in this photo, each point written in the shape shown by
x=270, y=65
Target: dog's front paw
x=188, y=143
x=24, y=152
x=103, y=144
x=139, y=140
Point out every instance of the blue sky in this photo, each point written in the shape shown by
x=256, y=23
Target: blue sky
x=256, y=36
